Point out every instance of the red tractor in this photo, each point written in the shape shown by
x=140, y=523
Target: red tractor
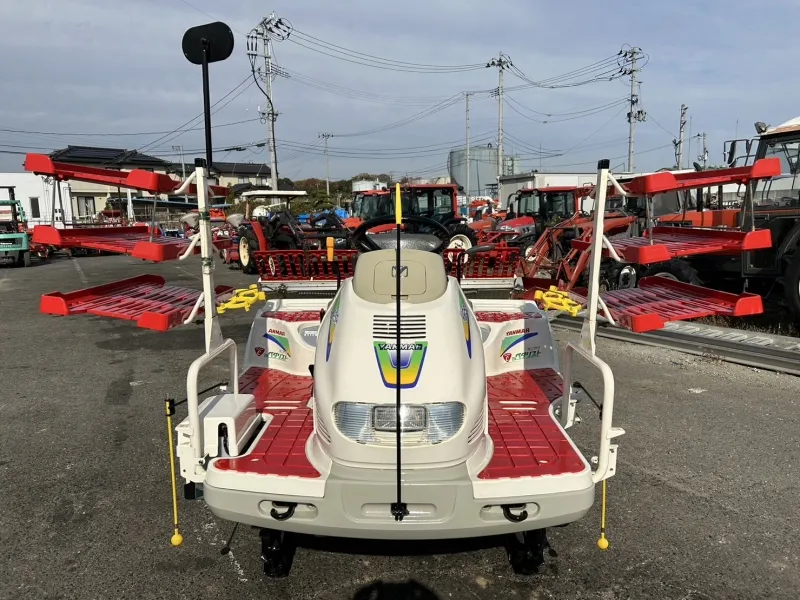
x=438, y=201
x=530, y=211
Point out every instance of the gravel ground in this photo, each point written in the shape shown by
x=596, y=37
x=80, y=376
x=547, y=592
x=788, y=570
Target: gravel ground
x=704, y=504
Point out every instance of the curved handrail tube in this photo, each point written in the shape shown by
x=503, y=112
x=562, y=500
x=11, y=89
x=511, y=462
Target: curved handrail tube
x=193, y=401
x=185, y=185
x=607, y=430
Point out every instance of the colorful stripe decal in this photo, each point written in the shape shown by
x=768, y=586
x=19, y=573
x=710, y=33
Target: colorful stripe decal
x=280, y=341
x=332, y=327
x=465, y=322
x=513, y=340
x=412, y=358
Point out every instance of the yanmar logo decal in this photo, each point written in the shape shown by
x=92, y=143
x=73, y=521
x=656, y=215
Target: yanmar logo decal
x=517, y=336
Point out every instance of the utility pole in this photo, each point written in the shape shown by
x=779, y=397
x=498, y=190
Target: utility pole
x=679, y=144
x=704, y=156
x=466, y=192
x=183, y=167
x=502, y=62
x=326, y=137
x=263, y=33
x=635, y=114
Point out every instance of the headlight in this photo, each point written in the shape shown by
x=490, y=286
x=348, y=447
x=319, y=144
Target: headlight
x=420, y=424
x=412, y=418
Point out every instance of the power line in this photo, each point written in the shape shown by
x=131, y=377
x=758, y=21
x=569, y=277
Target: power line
x=285, y=29
x=191, y=122
x=577, y=114
x=117, y=134
x=407, y=121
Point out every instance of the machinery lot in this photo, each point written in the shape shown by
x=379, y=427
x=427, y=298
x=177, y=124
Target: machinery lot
x=703, y=506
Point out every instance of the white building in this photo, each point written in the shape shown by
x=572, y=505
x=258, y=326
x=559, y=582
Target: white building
x=35, y=194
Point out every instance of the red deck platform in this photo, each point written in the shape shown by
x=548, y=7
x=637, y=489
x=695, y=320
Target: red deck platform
x=658, y=300
x=527, y=440
x=134, y=240
x=281, y=450
x=675, y=242
x=145, y=299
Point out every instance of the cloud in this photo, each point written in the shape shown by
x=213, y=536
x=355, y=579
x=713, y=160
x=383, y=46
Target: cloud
x=96, y=66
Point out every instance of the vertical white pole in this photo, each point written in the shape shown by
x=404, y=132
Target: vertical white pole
x=213, y=333
x=590, y=322
x=131, y=216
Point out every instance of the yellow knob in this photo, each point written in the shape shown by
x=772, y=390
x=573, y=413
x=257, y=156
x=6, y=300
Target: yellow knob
x=602, y=543
x=176, y=539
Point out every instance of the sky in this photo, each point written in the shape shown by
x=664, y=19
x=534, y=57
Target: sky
x=112, y=73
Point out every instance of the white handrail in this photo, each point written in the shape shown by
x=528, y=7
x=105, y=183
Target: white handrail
x=190, y=250
x=192, y=315
x=620, y=190
x=607, y=454
x=606, y=312
x=192, y=399
x=185, y=185
x=611, y=252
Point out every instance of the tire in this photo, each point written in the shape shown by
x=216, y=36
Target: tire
x=462, y=236
x=677, y=270
x=248, y=243
x=26, y=259
x=791, y=285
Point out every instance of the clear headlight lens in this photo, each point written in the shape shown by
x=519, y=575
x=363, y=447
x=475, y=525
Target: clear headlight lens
x=420, y=424
x=412, y=418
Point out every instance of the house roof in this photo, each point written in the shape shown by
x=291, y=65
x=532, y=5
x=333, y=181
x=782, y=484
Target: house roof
x=92, y=155
x=230, y=169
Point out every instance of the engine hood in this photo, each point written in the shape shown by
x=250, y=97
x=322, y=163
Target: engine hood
x=441, y=361
x=525, y=221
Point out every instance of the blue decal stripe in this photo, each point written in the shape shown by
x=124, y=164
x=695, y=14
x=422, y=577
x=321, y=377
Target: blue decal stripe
x=271, y=338
x=527, y=336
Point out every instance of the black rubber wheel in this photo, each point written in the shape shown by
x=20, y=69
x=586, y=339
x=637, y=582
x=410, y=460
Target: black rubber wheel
x=277, y=553
x=26, y=259
x=466, y=233
x=677, y=270
x=248, y=243
x=791, y=285
x=526, y=555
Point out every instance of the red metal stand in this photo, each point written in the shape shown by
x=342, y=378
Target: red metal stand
x=658, y=300
x=667, y=243
x=134, y=240
x=145, y=299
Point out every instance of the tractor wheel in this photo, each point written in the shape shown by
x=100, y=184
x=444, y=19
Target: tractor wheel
x=677, y=270
x=248, y=243
x=791, y=285
x=462, y=237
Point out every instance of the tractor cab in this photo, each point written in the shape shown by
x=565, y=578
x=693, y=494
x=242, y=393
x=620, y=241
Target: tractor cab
x=533, y=209
x=14, y=242
x=433, y=201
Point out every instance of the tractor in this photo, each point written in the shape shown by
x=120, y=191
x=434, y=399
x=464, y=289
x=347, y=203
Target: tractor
x=437, y=201
x=275, y=227
x=14, y=240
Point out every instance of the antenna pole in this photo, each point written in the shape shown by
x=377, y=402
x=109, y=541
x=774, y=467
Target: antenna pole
x=466, y=189
x=399, y=509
